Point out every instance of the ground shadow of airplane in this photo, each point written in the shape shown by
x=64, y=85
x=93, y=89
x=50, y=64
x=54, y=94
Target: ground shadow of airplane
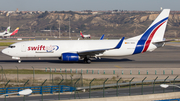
x=59, y=61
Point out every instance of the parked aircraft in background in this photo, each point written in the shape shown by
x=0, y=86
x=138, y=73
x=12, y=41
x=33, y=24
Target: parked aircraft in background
x=6, y=31
x=101, y=38
x=84, y=36
x=74, y=50
x=13, y=33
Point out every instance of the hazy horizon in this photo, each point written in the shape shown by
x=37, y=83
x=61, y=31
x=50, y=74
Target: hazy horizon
x=94, y=5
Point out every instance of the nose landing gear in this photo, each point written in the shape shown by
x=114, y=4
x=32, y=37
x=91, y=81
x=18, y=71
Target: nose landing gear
x=87, y=60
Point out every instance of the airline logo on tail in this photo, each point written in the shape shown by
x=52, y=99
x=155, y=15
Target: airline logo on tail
x=155, y=32
x=146, y=39
x=81, y=34
x=8, y=30
x=15, y=31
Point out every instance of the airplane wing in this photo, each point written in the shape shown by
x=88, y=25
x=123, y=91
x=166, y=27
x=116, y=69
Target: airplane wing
x=91, y=52
x=99, y=51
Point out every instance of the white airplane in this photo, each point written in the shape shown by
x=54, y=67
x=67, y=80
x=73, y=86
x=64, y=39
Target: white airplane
x=84, y=36
x=74, y=50
x=6, y=31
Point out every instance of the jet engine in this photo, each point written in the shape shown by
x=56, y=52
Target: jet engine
x=70, y=57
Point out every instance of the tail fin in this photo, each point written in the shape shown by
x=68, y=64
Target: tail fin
x=155, y=32
x=157, y=29
x=15, y=31
x=81, y=34
x=102, y=37
x=7, y=30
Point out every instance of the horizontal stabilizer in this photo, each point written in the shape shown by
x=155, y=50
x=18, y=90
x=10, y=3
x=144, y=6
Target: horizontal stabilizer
x=162, y=41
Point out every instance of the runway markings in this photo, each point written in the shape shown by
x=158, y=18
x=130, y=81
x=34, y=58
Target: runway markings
x=117, y=66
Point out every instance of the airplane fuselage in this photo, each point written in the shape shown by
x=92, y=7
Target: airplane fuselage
x=53, y=48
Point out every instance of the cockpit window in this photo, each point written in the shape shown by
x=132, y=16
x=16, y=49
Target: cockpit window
x=11, y=46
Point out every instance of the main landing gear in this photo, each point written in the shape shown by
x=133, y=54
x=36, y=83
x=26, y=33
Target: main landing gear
x=87, y=60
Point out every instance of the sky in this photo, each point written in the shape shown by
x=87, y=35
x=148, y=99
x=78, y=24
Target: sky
x=94, y=5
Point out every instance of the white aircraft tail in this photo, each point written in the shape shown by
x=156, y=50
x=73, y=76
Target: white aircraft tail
x=7, y=30
x=157, y=29
x=155, y=33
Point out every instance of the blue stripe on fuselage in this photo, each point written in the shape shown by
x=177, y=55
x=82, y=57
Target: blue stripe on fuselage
x=142, y=41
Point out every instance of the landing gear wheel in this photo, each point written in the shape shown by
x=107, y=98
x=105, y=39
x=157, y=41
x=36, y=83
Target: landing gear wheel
x=86, y=60
x=19, y=61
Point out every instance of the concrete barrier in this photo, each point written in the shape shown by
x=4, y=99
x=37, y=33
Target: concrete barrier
x=149, y=97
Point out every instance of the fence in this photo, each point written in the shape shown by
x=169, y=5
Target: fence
x=114, y=72
x=74, y=80
x=18, y=78
x=61, y=88
x=39, y=89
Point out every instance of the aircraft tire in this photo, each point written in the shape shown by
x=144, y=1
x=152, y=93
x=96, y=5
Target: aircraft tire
x=88, y=61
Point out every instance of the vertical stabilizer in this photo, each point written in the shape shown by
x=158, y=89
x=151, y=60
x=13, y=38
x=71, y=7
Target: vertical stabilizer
x=7, y=30
x=155, y=32
x=15, y=31
x=81, y=34
x=157, y=29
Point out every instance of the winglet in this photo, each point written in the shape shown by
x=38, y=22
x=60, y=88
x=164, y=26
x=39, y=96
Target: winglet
x=119, y=44
x=102, y=37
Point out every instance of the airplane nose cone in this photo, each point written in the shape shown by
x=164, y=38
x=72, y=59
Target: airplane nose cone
x=5, y=51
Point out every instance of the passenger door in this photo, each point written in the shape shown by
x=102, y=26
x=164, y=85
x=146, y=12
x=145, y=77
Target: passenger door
x=23, y=47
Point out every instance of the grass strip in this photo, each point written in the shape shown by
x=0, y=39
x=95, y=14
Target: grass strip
x=6, y=43
x=26, y=71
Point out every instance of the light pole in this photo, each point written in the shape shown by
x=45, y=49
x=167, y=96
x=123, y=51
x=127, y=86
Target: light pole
x=59, y=26
x=166, y=86
x=69, y=27
x=23, y=92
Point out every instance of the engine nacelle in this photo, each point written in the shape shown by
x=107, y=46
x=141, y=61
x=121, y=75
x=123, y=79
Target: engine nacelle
x=70, y=57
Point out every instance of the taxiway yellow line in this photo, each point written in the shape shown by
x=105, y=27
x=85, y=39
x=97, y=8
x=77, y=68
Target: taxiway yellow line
x=117, y=66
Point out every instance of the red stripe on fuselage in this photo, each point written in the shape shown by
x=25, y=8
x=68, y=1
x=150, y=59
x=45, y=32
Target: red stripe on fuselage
x=150, y=37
